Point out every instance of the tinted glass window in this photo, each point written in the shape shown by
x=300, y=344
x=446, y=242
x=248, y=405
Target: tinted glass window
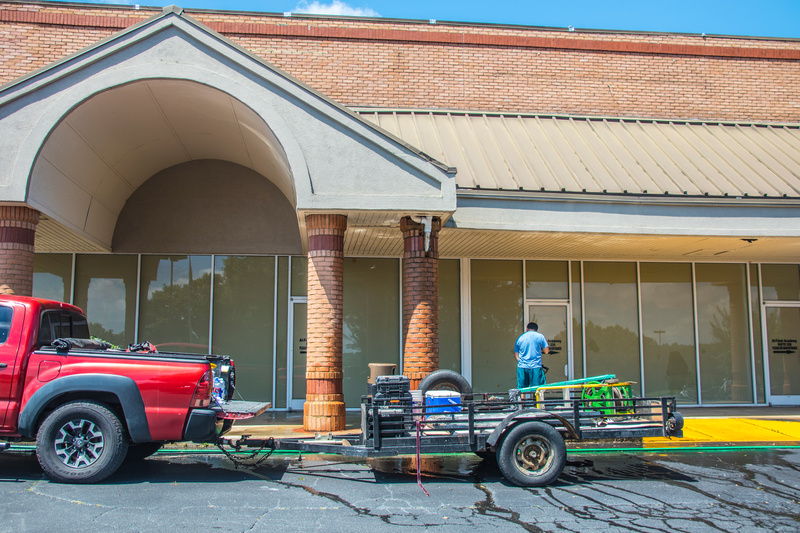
x=5, y=323
x=62, y=324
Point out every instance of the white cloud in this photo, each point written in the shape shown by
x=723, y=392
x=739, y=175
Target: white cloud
x=336, y=7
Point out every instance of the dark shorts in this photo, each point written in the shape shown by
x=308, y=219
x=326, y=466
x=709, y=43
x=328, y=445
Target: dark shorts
x=530, y=377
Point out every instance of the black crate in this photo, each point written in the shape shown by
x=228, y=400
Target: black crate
x=392, y=384
x=392, y=390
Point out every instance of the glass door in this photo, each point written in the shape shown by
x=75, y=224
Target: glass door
x=555, y=325
x=296, y=358
x=782, y=326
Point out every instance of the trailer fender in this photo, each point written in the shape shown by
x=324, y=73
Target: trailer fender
x=87, y=386
x=528, y=414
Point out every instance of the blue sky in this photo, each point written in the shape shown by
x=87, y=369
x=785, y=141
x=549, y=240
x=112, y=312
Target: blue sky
x=766, y=18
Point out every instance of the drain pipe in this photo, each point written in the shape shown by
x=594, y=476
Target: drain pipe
x=426, y=222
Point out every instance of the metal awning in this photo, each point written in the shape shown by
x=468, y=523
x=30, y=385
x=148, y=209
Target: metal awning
x=613, y=156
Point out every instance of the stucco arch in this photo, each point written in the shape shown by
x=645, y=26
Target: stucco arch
x=110, y=144
x=332, y=160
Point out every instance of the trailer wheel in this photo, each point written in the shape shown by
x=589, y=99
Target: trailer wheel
x=533, y=454
x=81, y=442
x=448, y=380
x=674, y=423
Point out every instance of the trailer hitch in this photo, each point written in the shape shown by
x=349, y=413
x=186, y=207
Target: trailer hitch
x=248, y=461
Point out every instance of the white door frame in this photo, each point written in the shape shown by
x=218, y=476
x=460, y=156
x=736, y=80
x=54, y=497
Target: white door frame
x=774, y=399
x=568, y=310
x=293, y=405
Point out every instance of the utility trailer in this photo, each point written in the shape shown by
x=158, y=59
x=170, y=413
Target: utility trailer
x=526, y=434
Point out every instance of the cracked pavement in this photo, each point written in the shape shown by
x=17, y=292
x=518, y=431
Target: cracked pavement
x=745, y=491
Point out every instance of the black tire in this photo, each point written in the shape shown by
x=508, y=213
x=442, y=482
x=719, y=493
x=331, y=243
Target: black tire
x=445, y=379
x=139, y=452
x=81, y=442
x=674, y=423
x=533, y=454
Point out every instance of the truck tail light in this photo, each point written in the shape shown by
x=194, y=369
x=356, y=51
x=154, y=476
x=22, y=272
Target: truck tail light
x=202, y=393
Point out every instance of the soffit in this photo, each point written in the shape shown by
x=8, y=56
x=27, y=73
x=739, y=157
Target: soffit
x=580, y=246
x=382, y=238
x=634, y=157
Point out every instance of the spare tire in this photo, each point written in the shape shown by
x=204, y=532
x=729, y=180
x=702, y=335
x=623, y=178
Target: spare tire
x=446, y=380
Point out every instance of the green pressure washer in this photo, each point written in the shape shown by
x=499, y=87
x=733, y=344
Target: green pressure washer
x=603, y=393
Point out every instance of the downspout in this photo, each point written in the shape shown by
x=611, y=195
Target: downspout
x=426, y=222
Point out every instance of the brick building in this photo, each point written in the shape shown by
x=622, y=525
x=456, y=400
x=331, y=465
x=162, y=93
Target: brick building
x=311, y=194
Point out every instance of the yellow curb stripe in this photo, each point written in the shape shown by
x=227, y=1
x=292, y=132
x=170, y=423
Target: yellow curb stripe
x=734, y=430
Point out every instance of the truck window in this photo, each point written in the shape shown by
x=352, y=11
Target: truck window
x=5, y=323
x=59, y=324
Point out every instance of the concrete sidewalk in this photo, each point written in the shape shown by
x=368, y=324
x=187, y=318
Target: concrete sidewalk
x=708, y=426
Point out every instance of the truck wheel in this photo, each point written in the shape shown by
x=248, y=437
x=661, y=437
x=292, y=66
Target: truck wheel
x=445, y=379
x=81, y=442
x=533, y=454
x=139, y=452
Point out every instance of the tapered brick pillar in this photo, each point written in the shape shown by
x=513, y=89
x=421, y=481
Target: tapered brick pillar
x=17, y=231
x=420, y=299
x=324, y=407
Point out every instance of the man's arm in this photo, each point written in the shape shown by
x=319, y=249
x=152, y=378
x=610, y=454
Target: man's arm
x=516, y=356
x=546, y=350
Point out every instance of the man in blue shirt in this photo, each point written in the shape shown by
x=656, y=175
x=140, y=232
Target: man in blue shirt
x=528, y=352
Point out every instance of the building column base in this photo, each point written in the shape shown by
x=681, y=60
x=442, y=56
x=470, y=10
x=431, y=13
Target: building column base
x=324, y=409
x=324, y=415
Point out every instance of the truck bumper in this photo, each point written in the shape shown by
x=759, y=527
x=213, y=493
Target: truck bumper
x=202, y=426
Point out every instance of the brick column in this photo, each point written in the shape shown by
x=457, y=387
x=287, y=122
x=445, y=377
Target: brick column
x=420, y=299
x=17, y=231
x=324, y=407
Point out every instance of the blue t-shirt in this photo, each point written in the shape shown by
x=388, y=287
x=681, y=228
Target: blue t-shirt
x=529, y=346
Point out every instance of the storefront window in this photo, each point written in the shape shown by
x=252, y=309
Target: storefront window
x=546, y=280
x=283, y=315
x=105, y=288
x=450, y=314
x=52, y=276
x=299, y=276
x=670, y=367
x=612, y=321
x=371, y=328
x=577, y=322
x=497, y=321
x=723, y=333
x=758, y=350
x=175, y=302
x=781, y=282
x=244, y=314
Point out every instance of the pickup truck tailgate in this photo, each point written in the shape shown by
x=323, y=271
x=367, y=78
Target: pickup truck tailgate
x=240, y=410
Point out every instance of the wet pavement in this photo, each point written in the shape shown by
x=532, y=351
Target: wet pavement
x=740, y=490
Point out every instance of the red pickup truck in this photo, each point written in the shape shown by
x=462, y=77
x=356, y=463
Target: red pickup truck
x=89, y=406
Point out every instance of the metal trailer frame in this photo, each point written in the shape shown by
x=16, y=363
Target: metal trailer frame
x=392, y=428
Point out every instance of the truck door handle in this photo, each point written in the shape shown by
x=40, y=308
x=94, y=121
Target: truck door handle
x=3, y=365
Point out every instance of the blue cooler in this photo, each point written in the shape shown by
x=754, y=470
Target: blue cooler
x=442, y=401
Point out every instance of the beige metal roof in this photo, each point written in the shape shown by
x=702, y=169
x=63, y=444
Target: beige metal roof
x=604, y=155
